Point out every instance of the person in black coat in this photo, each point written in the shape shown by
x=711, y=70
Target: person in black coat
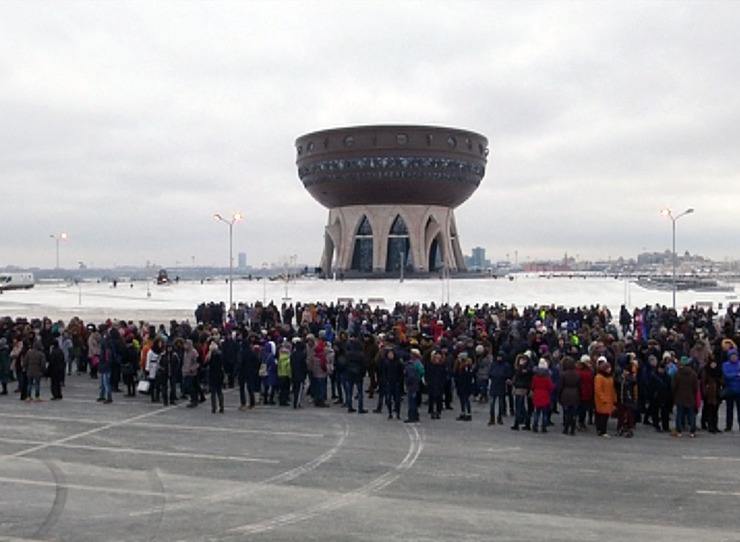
x=247, y=368
x=436, y=376
x=129, y=364
x=659, y=388
x=298, y=371
x=55, y=370
x=392, y=368
x=214, y=364
x=498, y=374
x=354, y=373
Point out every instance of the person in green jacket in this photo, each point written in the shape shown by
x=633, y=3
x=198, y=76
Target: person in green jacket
x=283, y=373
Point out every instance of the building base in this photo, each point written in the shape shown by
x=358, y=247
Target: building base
x=381, y=239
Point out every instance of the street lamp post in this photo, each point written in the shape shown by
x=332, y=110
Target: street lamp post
x=667, y=212
x=61, y=237
x=236, y=217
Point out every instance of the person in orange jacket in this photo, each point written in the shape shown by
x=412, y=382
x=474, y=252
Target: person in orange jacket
x=605, y=396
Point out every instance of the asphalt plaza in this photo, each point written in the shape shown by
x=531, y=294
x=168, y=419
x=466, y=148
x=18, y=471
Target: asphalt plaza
x=132, y=470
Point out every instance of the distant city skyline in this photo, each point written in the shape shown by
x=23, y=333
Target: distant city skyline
x=129, y=124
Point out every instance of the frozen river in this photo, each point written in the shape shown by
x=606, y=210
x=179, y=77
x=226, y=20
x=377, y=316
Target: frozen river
x=139, y=300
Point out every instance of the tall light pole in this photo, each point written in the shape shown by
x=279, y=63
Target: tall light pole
x=235, y=217
x=61, y=237
x=667, y=212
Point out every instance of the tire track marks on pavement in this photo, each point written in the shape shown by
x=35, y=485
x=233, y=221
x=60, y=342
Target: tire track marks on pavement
x=416, y=445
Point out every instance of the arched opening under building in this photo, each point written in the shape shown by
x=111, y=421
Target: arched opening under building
x=362, y=254
x=399, y=246
x=435, y=256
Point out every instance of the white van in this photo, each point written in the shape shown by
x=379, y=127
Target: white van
x=16, y=281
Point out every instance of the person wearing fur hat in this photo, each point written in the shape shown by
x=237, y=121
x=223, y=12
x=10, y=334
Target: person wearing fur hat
x=541, y=387
x=685, y=386
x=604, y=397
x=731, y=374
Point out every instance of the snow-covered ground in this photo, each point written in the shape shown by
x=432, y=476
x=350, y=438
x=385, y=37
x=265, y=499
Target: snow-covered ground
x=140, y=300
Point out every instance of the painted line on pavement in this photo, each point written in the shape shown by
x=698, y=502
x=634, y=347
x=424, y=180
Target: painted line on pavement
x=138, y=451
x=172, y=426
x=721, y=493
x=711, y=457
x=82, y=487
x=90, y=432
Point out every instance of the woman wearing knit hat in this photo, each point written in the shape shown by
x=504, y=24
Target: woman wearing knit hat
x=542, y=387
x=604, y=397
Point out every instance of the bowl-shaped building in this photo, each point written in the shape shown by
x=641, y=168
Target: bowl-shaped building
x=391, y=192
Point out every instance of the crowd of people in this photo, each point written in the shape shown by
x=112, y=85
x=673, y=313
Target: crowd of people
x=646, y=366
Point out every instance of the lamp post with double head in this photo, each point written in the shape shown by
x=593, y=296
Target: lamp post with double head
x=61, y=237
x=235, y=217
x=667, y=212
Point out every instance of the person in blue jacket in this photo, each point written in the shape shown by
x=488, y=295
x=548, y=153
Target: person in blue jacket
x=731, y=373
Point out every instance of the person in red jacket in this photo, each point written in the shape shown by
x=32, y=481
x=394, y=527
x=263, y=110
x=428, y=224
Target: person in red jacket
x=586, y=405
x=541, y=388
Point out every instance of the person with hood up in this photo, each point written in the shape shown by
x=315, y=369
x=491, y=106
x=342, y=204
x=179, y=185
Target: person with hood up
x=685, y=386
x=269, y=378
x=711, y=380
x=283, y=373
x=541, y=387
x=498, y=375
x=569, y=395
x=731, y=394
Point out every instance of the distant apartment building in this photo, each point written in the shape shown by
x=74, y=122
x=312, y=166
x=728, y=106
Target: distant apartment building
x=242, y=262
x=477, y=260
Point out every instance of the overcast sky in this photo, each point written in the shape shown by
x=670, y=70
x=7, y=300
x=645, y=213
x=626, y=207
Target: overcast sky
x=127, y=125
